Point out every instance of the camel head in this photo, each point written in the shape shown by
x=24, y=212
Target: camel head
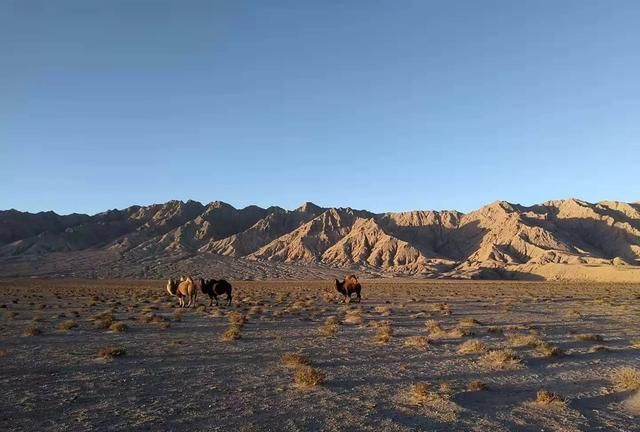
x=172, y=287
x=340, y=287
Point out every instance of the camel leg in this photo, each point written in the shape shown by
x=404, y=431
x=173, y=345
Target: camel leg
x=228, y=299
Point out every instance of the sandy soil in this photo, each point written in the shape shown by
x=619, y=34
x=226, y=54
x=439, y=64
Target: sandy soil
x=178, y=373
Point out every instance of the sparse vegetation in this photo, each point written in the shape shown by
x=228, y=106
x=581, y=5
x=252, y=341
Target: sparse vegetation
x=376, y=373
x=545, y=397
x=416, y=341
x=293, y=360
x=111, y=352
x=521, y=340
x=548, y=350
x=501, y=359
x=232, y=333
x=330, y=327
x=307, y=376
x=32, y=330
x=236, y=319
x=626, y=378
x=477, y=385
x=67, y=325
x=353, y=317
x=118, y=327
x=472, y=346
x=384, y=332
x=590, y=337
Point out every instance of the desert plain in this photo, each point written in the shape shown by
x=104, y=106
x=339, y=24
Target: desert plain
x=289, y=356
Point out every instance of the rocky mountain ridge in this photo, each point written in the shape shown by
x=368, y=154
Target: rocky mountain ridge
x=496, y=241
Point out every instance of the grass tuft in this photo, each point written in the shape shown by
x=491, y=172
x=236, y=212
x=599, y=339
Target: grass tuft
x=293, y=360
x=472, y=346
x=626, y=378
x=118, y=327
x=67, y=325
x=111, y=352
x=501, y=359
x=307, y=376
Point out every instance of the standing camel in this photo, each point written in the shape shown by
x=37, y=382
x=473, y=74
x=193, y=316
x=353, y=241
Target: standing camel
x=348, y=286
x=183, y=289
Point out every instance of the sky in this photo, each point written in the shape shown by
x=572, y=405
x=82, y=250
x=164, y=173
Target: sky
x=383, y=105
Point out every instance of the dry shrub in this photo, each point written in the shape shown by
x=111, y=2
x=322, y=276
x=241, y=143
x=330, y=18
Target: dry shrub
x=111, y=352
x=293, y=360
x=468, y=322
x=417, y=394
x=254, y=310
x=383, y=310
x=419, y=315
x=67, y=325
x=434, y=329
x=501, y=359
x=118, y=327
x=103, y=321
x=545, y=397
x=626, y=378
x=236, y=319
x=332, y=320
x=384, y=333
x=438, y=405
x=159, y=319
x=548, y=350
x=443, y=308
x=11, y=315
x=590, y=337
x=597, y=348
x=329, y=330
x=458, y=332
x=164, y=326
x=472, y=346
x=416, y=341
x=307, y=376
x=32, y=330
x=232, y=333
x=635, y=343
x=353, y=317
x=445, y=388
x=477, y=385
x=147, y=317
x=520, y=340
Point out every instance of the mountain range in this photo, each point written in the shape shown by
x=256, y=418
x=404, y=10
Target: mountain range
x=564, y=239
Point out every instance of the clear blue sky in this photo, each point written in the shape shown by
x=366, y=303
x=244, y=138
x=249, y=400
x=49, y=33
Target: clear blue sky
x=384, y=105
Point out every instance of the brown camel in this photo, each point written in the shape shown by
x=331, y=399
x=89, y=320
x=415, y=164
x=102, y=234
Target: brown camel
x=348, y=286
x=182, y=289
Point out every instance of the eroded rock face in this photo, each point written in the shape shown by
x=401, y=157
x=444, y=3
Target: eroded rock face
x=498, y=237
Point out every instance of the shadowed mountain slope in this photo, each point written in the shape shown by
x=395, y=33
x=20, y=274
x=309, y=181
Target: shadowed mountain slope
x=498, y=240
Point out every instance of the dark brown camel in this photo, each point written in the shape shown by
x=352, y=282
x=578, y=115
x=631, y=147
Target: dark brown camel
x=349, y=286
x=213, y=288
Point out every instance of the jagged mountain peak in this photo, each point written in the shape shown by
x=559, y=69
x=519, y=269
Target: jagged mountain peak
x=499, y=235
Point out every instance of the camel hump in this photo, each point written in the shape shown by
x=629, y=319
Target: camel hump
x=352, y=279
